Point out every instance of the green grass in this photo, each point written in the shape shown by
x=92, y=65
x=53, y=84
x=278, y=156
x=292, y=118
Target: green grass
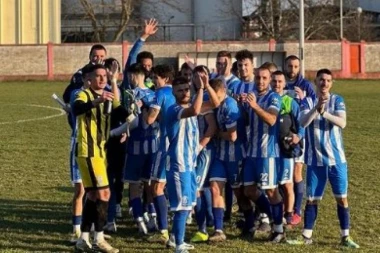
x=36, y=192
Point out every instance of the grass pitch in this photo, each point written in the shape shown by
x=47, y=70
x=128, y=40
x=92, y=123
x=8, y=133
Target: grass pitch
x=36, y=192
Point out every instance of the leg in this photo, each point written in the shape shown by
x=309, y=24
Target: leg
x=316, y=179
x=298, y=192
x=77, y=206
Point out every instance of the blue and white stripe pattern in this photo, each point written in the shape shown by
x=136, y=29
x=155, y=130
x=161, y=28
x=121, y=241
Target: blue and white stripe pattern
x=228, y=115
x=183, y=137
x=241, y=87
x=324, y=141
x=263, y=138
x=144, y=139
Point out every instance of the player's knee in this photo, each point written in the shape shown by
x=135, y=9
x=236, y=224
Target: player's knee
x=158, y=188
x=215, y=188
x=104, y=194
x=79, y=192
x=342, y=202
x=298, y=172
x=288, y=188
x=134, y=190
x=251, y=192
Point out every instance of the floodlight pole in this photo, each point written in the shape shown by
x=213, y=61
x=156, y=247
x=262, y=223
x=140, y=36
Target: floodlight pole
x=302, y=37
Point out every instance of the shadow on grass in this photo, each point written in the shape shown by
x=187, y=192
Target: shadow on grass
x=37, y=219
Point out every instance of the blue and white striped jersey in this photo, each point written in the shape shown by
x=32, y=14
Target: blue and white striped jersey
x=144, y=139
x=238, y=88
x=183, y=135
x=324, y=140
x=263, y=138
x=228, y=115
x=163, y=100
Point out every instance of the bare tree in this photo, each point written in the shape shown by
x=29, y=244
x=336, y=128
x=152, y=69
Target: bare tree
x=123, y=8
x=280, y=19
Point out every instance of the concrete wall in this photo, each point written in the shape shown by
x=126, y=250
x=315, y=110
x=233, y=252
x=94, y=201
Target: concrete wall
x=372, y=57
x=62, y=60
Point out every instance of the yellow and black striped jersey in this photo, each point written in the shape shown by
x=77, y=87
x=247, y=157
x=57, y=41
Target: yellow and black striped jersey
x=93, y=126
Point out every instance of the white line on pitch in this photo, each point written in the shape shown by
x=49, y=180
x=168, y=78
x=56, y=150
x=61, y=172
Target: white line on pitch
x=62, y=112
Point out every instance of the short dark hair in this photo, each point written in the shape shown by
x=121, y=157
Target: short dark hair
x=224, y=53
x=291, y=58
x=97, y=47
x=96, y=67
x=108, y=63
x=179, y=81
x=87, y=70
x=144, y=55
x=185, y=66
x=324, y=71
x=217, y=84
x=164, y=71
x=200, y=68
x=244, y=54
x=278, y=73
x=136, y=68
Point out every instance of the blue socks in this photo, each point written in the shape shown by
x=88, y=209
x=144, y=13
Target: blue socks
x=277, y=212
x=207, y=199
x=136, y=208
x=311, y=212
x=298, y=196
x=179, y=226
x=218, y=218
x=77, y=220
x=200, y=214
x=264, y=205
x=162, y=212
x=249, y=217
x=151, y=209
x=344, y=217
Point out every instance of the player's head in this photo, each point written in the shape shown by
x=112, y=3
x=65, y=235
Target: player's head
x=324, y=81
x=245, y=63
x=219, y=86
x=108, y=64
x=223, y=63
x=262, y=79
x=181, y=90
x=136, y=74
x=270, y=65
x=145, y=58
x=98, y=77
x=186, y=72
x=292, y=67
x=278, y=81
x=86, y=77
x=234, y=69
x=163, y=74
x=97, y=53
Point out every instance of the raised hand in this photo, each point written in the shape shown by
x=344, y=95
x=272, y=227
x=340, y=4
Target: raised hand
x=150, y=28
x=114, y=71
x=299, y=93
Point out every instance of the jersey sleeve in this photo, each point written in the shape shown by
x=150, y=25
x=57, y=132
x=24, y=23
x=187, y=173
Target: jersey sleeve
x=306, y=105
x=274, y=102
x=339, y=106
x=231, y=114
x=158, y=101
